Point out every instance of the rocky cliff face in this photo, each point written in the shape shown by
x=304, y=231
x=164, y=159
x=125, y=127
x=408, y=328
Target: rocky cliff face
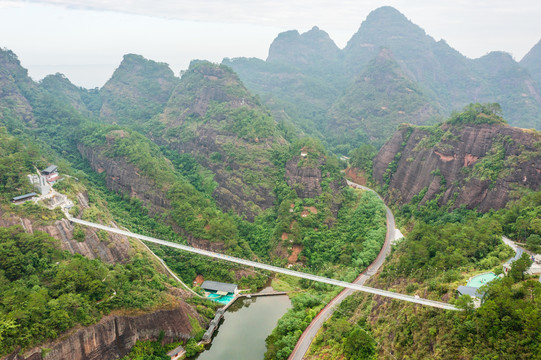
x=305, y=180
x=473, y=165
x=307, y=176
x=114, y=335
x=116, y=249
x=124, y=177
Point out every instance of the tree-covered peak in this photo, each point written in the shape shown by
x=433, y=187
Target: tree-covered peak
x=10, y=64
x=385, y=24
x=138, y=90
x=475, y=114
x=309, y=48
x=133, y=64
x=534, y=55
x=208, y=68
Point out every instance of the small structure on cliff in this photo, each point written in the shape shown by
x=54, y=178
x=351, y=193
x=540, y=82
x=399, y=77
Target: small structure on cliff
x=51, y=169
x=23, y=198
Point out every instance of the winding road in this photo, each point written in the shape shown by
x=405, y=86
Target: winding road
x=311, y=331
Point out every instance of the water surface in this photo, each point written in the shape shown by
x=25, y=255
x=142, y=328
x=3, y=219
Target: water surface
x=245, y=326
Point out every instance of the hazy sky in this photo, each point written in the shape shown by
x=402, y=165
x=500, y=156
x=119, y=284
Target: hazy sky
x=85, y=40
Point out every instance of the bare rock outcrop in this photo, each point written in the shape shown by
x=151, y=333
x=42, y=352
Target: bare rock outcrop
x=124, y=177
x=305, y=180
x=114, y=249
x=114, y=335
x=473, y=165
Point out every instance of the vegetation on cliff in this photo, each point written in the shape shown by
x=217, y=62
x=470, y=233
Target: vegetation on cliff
x=468, y=160
x=45, y=291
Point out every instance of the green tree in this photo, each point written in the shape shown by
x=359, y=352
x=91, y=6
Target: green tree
x=519, y=267
x=359, y=345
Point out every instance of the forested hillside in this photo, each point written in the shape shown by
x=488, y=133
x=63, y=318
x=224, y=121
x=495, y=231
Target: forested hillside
x=206, y=165
x=243, y=158
x=307, y=89
x=440, y=252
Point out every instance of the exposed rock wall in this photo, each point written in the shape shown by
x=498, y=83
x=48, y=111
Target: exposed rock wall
x=451, y=166
x=306, y=180
x=123, y=177
x=234, y=192
x=116, y=249
x=114, y=335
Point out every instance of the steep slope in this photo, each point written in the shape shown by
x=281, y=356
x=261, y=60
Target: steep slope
x=300, y=84
x=138, y=90
x=134, y=166
x=380, y=99
x=300, y=79
x=510, y=85
x=15, y=108
x=313, y=51
x=40, y=261
x=212, y=117
x=532, y=62
x=87, y=102
x=473, y=159
x=442, y=72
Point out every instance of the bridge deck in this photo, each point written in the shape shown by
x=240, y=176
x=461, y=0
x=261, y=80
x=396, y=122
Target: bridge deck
x=271, y=268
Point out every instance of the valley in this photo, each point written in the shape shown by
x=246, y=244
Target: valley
x=172, y=194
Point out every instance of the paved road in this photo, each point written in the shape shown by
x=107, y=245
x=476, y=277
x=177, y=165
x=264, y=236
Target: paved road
x=518, y=250
x=311, y=331
x=271, y=268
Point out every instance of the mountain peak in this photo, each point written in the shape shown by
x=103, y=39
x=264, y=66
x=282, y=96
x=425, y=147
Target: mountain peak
x=310, y=48
x=138, y=89
x=532, y=62
x=386, y=11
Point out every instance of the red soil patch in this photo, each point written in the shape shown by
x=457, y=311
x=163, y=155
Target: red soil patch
x=207, y=227
x=294, y=254
x=312, y=209
x=305, y=213
x=356, y=175
x=444, y=158
x=285, y=236
x=469, y=159
x=199, y=279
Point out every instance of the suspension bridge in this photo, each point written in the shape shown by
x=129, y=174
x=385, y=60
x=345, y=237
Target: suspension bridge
x=219, y=256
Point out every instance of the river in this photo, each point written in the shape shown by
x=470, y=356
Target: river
x=244, y=328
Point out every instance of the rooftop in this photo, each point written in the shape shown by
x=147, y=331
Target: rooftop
x=50, y=169
x=20, y=197
x=469, y=290
x=219, y=286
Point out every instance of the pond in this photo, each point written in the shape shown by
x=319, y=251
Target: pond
x=244, y=328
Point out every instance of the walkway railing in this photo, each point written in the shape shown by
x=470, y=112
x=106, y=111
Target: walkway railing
x=271, y=268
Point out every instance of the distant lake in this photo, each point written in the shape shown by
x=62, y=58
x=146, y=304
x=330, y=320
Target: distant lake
x=244, y=328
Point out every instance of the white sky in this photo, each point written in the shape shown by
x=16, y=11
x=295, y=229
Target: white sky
x=86, y=39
